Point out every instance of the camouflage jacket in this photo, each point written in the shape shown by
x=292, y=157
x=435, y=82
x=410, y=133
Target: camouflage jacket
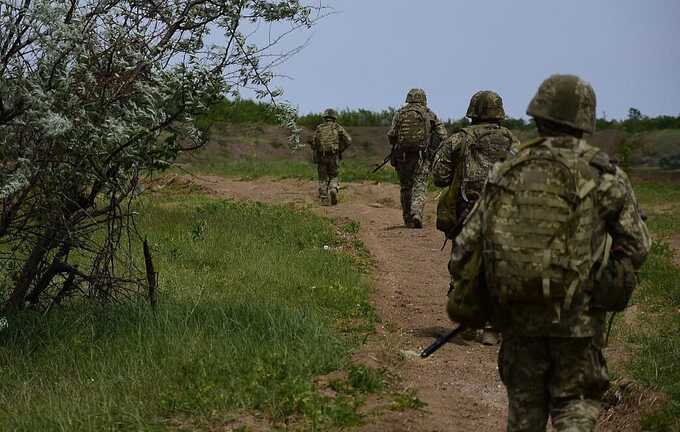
x=619, y=215
x=436, y=126
x=458, y=152
x=344, y=138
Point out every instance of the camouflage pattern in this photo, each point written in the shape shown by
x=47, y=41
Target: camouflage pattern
x=416, y=95
x=413, y=166
x=327, y=158
x=566, y=100
x=486, y=105
x=473, y=150
x=330, y=113
x=551, y=360
x=561, y=378
x=619, y=216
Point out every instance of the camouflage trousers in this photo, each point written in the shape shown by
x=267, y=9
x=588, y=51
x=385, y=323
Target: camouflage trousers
x=328, y=168
x=413, y=172
x=560, y=378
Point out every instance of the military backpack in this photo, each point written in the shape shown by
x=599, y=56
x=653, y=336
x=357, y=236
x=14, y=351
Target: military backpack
x=481, y=147
x=414, y=128
x=538, y=223
x=328, y=137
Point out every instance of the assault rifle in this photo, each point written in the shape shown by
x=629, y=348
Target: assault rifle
x=441, y=340
x=379, y=166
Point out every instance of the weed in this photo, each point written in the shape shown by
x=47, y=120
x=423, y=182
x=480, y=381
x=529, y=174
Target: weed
x=407, y=400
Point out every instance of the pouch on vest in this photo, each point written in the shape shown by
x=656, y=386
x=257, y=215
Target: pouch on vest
x=468, y=302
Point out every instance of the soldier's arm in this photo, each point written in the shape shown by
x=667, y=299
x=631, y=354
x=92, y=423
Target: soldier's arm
x=345, y=139
x=438, y=127
x=446, y=160
x=392, y=133
x=624, y=219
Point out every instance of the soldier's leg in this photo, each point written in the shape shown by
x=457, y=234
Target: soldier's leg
x=523, y=364
x=419, y=192
x=577, y=383
x=405, y=187
x=333, y=183
x=323, y=182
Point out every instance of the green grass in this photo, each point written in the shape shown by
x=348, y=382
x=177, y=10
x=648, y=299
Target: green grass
x=247, y=169
x=657, y=340
x=252, y=308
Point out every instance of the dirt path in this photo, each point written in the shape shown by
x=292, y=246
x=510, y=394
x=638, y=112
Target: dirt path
x=459, y=383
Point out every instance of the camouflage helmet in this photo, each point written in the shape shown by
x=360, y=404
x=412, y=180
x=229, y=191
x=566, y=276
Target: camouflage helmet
x=486, y=105
x=330, y=113
x=416, y=95
x=565, y=100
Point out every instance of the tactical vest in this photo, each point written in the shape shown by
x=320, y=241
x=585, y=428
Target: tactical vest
x=329, y=137
x=539, y=222
x=413, y=131
x=481, y=148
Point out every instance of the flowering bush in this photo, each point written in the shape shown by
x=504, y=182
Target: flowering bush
x=95, y=94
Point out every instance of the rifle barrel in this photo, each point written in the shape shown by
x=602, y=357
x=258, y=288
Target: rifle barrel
x=441, y=340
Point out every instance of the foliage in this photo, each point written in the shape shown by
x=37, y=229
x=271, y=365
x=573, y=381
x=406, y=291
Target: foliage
x=248, y=317
x=654, y=333
x=94, y=95
x=638, y=122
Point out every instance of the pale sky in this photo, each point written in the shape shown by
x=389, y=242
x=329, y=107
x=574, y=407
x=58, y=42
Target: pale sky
x=371, y=52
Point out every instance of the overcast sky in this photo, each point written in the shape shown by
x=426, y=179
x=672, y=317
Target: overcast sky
x=371, y=52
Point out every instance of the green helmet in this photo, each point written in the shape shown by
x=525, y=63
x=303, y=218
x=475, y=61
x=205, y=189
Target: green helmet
x=486, y=105
x=416, y=95
x=330, y=113
x=565, y=100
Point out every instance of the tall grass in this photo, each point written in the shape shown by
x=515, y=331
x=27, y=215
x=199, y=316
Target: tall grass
x=253, y=306
x=657, y=337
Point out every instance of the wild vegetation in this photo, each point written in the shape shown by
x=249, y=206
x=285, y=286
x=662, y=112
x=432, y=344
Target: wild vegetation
x=256, y=302
x=93, y=96
x=653, y=335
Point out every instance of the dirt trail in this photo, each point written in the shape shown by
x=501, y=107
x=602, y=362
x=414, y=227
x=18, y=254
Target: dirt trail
x=459, y=383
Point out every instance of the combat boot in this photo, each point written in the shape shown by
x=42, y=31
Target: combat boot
x=334, y=197
x=489, y=336
x=416, y=222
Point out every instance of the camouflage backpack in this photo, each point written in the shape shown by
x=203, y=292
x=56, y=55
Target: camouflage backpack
x=414, y=128
x=538, y=222
x=329, y=137
x=482, y=147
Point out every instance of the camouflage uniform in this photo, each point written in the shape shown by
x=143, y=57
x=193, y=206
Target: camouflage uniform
x=474, y=150
x=551, y=360
x=484, y=143
x=328, y=160
x=413, y=167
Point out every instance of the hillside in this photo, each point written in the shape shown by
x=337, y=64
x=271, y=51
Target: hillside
x=268, y=142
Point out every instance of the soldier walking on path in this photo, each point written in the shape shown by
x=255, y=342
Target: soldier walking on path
x=557, y=238
x=462, y=165
x=413, y=148
x=330, y=141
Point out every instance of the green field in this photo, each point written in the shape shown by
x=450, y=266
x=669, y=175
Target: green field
x=256, y=302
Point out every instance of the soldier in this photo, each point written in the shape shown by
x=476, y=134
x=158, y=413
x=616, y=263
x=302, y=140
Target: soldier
x=559, y=236
x=463, y=163
x=410, y=136
x=330, y=141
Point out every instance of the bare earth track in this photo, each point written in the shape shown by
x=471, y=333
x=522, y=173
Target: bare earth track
x=460, y=383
